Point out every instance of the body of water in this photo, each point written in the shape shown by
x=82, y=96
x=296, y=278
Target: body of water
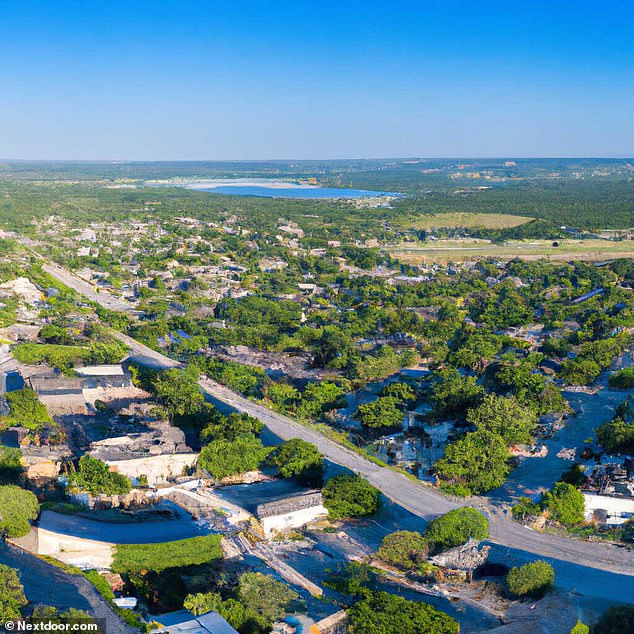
x=291, y=191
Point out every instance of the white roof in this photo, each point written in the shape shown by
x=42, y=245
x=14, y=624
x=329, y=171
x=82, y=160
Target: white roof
x=101, y=370
x=125, y=602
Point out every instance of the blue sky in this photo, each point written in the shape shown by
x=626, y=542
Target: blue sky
x=198, y=79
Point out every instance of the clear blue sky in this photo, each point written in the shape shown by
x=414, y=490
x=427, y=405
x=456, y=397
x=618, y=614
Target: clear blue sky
x=199, y=79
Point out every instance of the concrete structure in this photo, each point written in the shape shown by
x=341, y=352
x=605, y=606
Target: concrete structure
x=186, y=622
x=290, y=512
x=608, y=510
x=157, y=469
x=75, y=551
x=95, y=376
x=336, y=623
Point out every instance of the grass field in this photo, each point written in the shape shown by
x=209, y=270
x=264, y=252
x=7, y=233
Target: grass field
x=466, y=220
x=456, y=250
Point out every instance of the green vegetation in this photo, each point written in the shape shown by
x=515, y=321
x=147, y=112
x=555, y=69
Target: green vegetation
x=385, y=612
x=476, y=463
x=348, y=496
x=565, y=504
x=134, y=558
x=299, y=460
x=17, y=509
x=223, y=458
x=94, y=476
x=11, y=468
x=616, y=620
x=580, y=628
x=12, y=597
x=622, y=379
x=383, y=412
x=26, y=410
x=406, y=550
x=267, y=596
x=456, y=528
x=533, y=579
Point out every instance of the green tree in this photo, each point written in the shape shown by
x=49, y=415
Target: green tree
x=26, y=410
x=457, y=527
x=95, y=477
x=504, y=416
x=222, y=458
x=565, y=503
x=525, y=509
x=404, y=549
x=299, y=460
x=347, y=496
x=178, y=391
x=382, y=412
x=201, y=603
x=267, y=596
x=11, y=594
x=17, y=509
x=476, y=463
x=533, y=579
x=386, y=613
x=616, y=620
x=10, y=465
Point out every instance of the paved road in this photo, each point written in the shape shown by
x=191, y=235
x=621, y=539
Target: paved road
x=416, y=497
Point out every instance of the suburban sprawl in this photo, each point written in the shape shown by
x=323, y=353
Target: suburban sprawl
x=391, y=396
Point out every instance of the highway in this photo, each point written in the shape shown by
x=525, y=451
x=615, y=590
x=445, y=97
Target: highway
x=417, y=497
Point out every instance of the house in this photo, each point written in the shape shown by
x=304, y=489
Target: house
x=186, y=622
x=94, y=376
x=608, y=510
x=286, y=513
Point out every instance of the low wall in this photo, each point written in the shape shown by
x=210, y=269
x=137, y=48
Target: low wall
x=76, y=551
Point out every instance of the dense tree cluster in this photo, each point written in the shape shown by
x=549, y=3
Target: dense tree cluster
x=532, y=579
x=348, y=496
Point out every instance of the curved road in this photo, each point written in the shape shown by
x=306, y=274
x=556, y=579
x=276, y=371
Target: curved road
x=416, y=497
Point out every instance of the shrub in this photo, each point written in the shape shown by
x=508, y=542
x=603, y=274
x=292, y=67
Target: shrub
x=456, y=528
x=300, y=460
x=623, y=379
x=222, y=458
x=267, y=596
x=347, y=496
x=385, y=612
x=11, y=594
x=17, y=509
x=95, y=477
x=533, y=580
x=565, y=503
x=404, y=549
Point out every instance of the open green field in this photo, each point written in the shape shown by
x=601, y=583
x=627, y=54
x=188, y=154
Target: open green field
x=456, y=250
x=454, y=220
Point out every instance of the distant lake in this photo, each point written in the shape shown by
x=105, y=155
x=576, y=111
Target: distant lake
x=289, y=191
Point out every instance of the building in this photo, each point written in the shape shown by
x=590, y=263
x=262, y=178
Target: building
x=186, y=622
x=608, y=510
x=95, y=376
x=291, y=512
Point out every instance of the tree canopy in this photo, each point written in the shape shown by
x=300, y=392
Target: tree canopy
x=456, y=528
x=17, y=509
x=533, y=579
x=347, y=496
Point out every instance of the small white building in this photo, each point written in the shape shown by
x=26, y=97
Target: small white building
x=608, y=510
x=287, y=513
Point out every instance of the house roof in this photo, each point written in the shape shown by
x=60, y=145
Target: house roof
x=289, y=504
x=184, y=621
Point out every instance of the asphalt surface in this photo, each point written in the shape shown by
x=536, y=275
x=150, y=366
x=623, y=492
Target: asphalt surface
x=415, y=496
